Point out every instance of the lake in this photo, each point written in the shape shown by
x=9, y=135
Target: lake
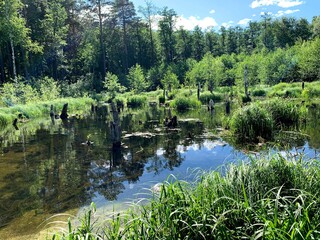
x=47, y=168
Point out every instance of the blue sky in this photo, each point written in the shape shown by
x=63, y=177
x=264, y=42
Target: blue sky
x=215, y=13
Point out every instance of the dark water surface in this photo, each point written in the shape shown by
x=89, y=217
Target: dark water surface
x=47, y=168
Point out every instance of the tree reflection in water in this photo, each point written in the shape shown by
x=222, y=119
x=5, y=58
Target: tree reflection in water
x=46, y=167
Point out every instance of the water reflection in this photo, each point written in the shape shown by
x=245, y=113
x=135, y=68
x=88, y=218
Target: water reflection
x=48, y=168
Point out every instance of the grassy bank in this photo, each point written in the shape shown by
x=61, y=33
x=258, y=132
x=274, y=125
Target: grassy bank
x=275, y=198
x=39, y=109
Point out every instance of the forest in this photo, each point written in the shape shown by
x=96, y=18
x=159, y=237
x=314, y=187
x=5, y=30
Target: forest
x=91, y=46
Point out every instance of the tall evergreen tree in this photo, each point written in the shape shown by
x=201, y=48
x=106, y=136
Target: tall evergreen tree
x=124, y=12
x=166, y=34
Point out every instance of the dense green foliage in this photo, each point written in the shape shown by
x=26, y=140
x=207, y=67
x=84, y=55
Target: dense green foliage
x=77, y=42
x=273, y=198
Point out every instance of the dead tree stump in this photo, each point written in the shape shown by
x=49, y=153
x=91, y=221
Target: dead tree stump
x=64, y=114
x=211, y=105
x=173, y=122
x=115, y=128
x=51, y=111
x=228, y=107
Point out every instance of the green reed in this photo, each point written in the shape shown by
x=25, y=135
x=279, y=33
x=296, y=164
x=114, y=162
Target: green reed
x=184, y=103
x=267, y=198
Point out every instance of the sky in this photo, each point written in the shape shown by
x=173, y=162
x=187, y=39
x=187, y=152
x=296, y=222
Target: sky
x=217, y=13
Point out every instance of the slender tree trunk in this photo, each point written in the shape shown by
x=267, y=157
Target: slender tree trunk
x=25, y=63
x=102, y=49
x=139, y=45
x=125, y=42
x=2, y=73
x=13, y=58
x=152, y=43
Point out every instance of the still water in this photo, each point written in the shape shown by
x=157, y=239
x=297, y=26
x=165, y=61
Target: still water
x=46, y=168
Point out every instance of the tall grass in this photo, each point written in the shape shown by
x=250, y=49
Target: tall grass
x=286, y=90
x=184, y=103
x=261, y=119
x=38, y=109
x=259, y=93
x=136, y=101
x=251, y=122
x=275, y=198
x=283, y=112
x=311, y=91
x=205, y=97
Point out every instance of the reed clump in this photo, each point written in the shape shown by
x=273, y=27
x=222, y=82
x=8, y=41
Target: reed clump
x=205, y=97
x=251, y=122
x=284, y=112
x=136, y=101
x=262, y=119
x=184, y=103
x=275, y=198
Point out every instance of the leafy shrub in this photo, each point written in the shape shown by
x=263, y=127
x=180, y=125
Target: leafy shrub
x=245, y=99
x=259, y=93
x=48, y=89
x=206, y=96
x=81, y=88
x=251, y=122
x=136, y=101
x=184, y=103
x=20, y=93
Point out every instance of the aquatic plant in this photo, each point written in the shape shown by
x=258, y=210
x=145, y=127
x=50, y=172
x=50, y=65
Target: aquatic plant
x=286, y=90
x=284, y=112
x=184, y=103
x=245, y=99
x=120, y=101
x=275, y=198
x=206, y=96
x=251, y=122
x=136, y=101
x=38, y=109
x=312, y=91
x=259, y=93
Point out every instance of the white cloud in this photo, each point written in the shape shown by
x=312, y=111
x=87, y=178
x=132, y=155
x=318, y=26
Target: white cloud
x=244, y=21
x=289, y=4
x=279, y=3
x=281, y=13
x=154, y=21
x=92, y=14
x=187, y=23
x=227, y=24
x=212, y=11
x=190, y=22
